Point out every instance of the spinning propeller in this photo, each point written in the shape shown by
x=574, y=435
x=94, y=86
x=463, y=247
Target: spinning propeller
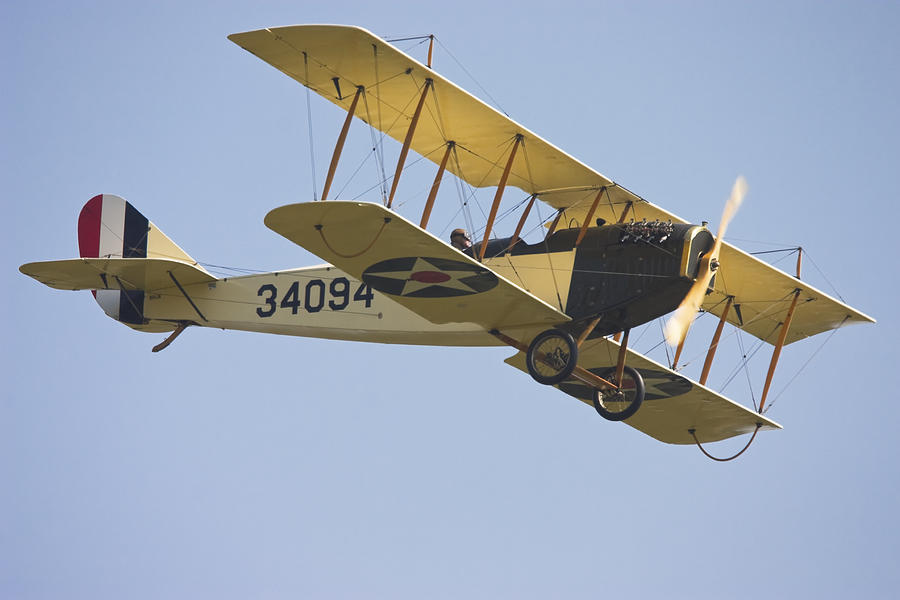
x=678, y=324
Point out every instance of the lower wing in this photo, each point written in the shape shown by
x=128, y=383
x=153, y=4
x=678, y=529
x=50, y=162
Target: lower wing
x=673, y=405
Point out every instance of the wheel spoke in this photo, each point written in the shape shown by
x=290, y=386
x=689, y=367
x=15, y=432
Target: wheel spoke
x=552, y=356
x=623, y=402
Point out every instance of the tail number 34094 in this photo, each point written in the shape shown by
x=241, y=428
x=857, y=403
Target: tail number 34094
x=315, y=295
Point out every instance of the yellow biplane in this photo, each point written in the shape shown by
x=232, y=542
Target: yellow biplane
x=609, y=260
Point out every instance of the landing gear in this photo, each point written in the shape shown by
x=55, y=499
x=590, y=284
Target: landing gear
x=552, y=356
x=622, y=402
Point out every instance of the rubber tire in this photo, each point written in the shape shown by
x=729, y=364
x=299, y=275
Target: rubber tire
x=631, y=408
x=531, y=359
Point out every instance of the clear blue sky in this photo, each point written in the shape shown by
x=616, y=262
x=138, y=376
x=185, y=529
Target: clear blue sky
x=237, y=465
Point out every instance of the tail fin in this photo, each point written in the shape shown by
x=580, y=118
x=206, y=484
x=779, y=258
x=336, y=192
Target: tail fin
x=110, y=227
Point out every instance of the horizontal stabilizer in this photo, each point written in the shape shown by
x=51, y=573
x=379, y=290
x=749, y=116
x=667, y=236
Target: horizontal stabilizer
x=147, y=274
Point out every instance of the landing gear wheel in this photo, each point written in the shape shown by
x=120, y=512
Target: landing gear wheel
x=552, y=356
x=621, y=403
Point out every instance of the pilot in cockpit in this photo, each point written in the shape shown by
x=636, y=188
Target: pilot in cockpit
x=459, y=239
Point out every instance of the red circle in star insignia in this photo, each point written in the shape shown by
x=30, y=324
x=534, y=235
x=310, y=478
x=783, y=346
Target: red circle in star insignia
x=429, y=277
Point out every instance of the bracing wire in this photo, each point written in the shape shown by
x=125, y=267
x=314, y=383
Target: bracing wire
x=746, y=369
x=309, y=121
x=472, y=77
x=822, y=274
x=383, y=182
x=380, y=124
x=353, y=175
x=377, y=150
x=663, y=335
x=806, y=364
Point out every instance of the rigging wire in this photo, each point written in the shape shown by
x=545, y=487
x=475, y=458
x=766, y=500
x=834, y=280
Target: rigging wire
x=353, y=175
x=771, y=304
x=383, y=183
x=791, y=251
x=662, y=331
x=746, y=357
x=380, y=123
x=437, y=116
x=472, y=77
x=377, y=149
x=822, y=274
x=806, y=364
x=761, y=252
x=480, y=184
x=780, y=259
x=464, y=206
x=746, y=369
x=528, y=168
x=422, y=39
x=309, y=128
x=644, y=330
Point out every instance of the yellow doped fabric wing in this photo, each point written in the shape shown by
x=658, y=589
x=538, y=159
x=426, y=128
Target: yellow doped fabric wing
x=673, y=404
x=409, y=265
x=336, y=60
x=763, y=295
x=148, y=274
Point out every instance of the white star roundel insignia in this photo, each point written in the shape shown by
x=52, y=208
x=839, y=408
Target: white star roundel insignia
x=425, y=277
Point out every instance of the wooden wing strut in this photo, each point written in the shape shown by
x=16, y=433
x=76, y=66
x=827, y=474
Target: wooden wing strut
x=500, y=188
x=714, y=344
x=339, y=147
x=590, y=215
x=554, y=224
x=785, y=327
x=408, y=141
x=515, y=236
x=434, y=186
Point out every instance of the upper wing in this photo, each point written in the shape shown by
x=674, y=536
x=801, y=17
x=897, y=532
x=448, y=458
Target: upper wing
x=146, y=274
x=333, y=60
x=762, y=297
x=317, y=55
x=673, y=405
x=409, y=265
